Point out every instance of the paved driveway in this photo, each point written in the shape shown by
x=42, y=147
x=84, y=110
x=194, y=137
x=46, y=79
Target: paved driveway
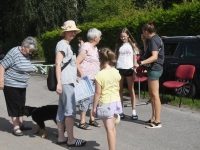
x=180, y=131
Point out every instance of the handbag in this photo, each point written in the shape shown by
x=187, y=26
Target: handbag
x=104, y=112
x=51, y=79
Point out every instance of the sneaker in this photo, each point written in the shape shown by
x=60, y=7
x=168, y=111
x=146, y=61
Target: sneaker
x=122, y=116
x=154, y=125
x=134, y=117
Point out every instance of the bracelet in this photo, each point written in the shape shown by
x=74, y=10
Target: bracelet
x=139, y=63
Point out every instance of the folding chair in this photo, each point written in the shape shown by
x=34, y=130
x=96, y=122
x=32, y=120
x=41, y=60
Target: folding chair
x=184, y=72
x=138, y=79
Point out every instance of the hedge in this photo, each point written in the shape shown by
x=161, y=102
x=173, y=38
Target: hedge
x=180, y=20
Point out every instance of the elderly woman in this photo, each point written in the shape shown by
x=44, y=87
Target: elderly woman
x=65, y=85
x=14, y=75
x=88, y=65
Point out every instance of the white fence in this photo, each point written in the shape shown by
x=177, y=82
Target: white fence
x=40, y=68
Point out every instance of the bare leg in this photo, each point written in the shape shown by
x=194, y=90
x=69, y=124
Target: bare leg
x=111, y=132
x=69, y=123
x=154, y=86
x=20, y=121
x=152, y=101
x=91, y=116
x=121, y=85
x=15, y=121
x=61, y=131
x=131, y=90
x=82, y=117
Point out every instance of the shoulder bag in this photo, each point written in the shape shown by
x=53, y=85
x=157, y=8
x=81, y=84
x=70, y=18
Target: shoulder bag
x=51, y=79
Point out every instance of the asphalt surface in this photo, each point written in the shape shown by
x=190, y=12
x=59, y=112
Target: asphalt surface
x=180, y=131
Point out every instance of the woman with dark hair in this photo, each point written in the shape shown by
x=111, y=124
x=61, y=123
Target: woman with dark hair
x=126, y=50
x=154, y=58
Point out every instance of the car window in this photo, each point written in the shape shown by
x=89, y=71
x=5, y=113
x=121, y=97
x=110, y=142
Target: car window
x=192, y=50
x=179, y=50
x=170, y=48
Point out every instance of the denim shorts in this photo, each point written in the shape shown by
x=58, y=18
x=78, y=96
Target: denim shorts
x=116, y=108
x=67, y=103
x=154, y=74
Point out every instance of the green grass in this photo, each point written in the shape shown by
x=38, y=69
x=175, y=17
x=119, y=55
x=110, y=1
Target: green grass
x=169, y=99
x=186, y=102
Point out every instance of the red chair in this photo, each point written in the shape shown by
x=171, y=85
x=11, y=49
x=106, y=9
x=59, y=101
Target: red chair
x=140, y=78
x=184, y=72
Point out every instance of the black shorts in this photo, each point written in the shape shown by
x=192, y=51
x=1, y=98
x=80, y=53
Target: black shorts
x=126, y=72
x=15, y=100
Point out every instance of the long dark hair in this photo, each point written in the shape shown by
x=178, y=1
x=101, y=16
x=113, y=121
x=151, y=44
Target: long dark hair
x=131, y=40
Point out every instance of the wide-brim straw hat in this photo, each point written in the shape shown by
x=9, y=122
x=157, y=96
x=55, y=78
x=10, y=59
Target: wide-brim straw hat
x=69, y=26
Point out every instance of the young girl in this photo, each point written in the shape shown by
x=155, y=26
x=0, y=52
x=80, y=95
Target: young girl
x=126, y=50
x=107, y=93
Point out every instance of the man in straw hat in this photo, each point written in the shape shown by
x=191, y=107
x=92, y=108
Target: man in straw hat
x=65, y=86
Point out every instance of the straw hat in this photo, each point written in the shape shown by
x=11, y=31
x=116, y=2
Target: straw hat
x=69, y=26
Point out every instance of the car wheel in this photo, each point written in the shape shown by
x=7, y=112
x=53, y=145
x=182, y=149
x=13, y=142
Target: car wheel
x=187, y=90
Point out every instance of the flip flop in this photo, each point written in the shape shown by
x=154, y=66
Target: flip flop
x=78, y=143
x=63, y=142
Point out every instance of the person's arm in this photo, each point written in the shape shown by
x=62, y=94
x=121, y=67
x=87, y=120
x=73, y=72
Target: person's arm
x=59, y=58
x=151, y=59
x=2, y=71
x=81, y=56
x=135, y=62
x=96, y=97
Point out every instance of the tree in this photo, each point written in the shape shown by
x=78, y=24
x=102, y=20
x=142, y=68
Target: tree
x=22, y=18
x=101, y=10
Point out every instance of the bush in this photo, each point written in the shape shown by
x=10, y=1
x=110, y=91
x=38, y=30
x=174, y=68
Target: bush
x=180, y=20
x=48, y=42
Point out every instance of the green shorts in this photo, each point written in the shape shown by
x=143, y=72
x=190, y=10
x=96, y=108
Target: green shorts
x=154, y=74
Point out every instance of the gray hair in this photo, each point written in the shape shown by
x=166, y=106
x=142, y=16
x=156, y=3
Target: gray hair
x=30, y=43
x=93, y=33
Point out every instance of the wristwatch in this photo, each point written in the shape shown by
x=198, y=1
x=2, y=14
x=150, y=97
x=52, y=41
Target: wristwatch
x=139, y=62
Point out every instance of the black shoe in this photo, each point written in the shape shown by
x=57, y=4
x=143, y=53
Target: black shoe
x=122, y=116
x=23, y=128
x=134, y=117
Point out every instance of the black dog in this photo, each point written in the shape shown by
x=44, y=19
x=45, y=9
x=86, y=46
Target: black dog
x=41, y=114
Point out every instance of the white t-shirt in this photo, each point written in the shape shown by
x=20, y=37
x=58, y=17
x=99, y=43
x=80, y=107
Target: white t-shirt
x=125, y=58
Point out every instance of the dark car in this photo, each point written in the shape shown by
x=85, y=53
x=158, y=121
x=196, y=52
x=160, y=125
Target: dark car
x=182, y=50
